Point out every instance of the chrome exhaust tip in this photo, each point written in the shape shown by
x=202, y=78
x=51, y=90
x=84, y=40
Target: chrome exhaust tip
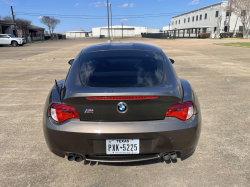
x=71, y=157
x=166, y=156
x=79, y=158
x=173, y=155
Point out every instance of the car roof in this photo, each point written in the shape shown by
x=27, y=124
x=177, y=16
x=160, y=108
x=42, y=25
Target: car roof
x=121, y=46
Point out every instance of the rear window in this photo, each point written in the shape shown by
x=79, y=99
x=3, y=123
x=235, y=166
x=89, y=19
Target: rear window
x=121, y=68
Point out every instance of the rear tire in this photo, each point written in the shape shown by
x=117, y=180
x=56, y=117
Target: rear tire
x=14, y=44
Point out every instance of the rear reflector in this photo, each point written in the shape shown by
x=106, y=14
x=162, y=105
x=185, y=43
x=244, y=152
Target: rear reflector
x=123, y=98
x=61, y=112
x=183, y=111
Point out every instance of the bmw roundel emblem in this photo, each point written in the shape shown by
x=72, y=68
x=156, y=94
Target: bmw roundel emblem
x=122, y=107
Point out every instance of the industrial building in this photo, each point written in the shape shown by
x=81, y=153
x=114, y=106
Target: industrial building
x=119, y=30
x=210, y=19
x=77, y=34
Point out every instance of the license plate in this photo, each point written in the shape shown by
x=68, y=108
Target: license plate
x=122, y=146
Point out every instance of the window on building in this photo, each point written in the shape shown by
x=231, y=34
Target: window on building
x=225, y=28
x=200, y=17
x=188, y=20
x=172, y=22
x=193, y=18
x=179, y=21
x=197, y=17
x=228, y=14
x=206, y=16
x=217, y=14
x=185, y=20
x=243, y=13
x=176, y=22
x=241, y=28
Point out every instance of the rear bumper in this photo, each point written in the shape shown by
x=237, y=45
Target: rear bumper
x=89, y=138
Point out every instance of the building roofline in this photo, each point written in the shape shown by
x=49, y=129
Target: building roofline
x=3, y=22
x=117, y=26
x=199, y=9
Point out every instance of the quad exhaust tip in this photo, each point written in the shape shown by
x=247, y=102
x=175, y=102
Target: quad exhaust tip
x=76, y=157
x=71, y=157
x=168, y=155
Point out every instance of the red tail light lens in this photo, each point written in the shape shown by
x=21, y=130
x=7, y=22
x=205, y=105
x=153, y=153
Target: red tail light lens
x=61, y=112
x=183, y=111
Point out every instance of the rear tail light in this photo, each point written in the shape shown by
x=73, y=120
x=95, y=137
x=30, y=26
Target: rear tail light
x=183, y=111
x=61, y=112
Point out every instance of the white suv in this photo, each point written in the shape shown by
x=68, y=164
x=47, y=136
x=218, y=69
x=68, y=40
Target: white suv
x=8, y=39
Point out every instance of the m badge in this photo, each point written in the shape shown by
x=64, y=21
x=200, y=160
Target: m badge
x=89, y=111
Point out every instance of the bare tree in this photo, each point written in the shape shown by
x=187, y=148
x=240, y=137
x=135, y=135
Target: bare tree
x=54, y=23
x=22, y=24
x=7, y=18
x=50, y=22
x=242, y=9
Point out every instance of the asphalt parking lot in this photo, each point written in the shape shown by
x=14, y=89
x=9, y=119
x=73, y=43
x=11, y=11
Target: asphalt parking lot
x=220, y=76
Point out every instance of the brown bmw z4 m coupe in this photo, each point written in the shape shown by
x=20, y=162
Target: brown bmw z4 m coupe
x=122, y=102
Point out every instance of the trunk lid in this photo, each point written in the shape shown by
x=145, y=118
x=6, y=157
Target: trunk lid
x=107, y=110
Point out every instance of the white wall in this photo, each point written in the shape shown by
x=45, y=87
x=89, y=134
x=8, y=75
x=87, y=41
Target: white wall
x=150, y=30
x=166, y=28
x=78, y=34
x=117, y=31
x=211, y=21
x=96, y=32
x=139, y=30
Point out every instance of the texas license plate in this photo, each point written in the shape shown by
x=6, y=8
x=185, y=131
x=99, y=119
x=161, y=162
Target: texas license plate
x=122, y=146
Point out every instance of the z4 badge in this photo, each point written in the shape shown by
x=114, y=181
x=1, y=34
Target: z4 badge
x=89, y=111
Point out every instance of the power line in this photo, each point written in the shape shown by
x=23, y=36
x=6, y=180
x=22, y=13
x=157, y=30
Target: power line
x=138, y=15
x=160, y=14
x=96, y=17
x=90, y=17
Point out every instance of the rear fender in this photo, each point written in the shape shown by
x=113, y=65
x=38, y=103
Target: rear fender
x=53, y=97
x=190, y=95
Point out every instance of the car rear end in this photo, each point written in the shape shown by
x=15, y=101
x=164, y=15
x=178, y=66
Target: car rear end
x=122, y=106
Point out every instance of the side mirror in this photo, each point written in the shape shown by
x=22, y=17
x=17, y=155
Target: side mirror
x=71, y=61
x=171, y=60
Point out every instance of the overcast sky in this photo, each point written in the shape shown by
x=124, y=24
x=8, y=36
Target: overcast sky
x=85, y=14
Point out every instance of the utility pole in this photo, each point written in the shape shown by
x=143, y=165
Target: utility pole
x=122, y=30
x=108, y=19
x=14, y=20
x=111, y=23
x=230, y=11
x=169, y=31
